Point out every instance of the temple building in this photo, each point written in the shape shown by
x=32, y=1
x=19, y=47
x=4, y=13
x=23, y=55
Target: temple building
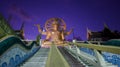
x=104, y=35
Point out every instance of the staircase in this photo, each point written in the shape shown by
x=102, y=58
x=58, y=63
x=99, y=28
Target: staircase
x=38, y=59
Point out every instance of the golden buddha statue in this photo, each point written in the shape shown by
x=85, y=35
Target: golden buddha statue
x=55, y=31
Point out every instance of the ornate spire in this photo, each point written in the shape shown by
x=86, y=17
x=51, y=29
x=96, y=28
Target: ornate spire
x=106, y=26
x=22, y=26
x=22, y=29
x=88, y=33
x=106, y=29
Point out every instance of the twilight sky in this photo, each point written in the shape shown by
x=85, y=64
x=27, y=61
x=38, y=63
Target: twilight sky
x=78, y=14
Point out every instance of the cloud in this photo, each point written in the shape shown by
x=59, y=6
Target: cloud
x=21, y=13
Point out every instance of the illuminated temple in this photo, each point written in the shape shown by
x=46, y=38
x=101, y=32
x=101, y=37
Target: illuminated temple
x=104, y=35
x=54, y=50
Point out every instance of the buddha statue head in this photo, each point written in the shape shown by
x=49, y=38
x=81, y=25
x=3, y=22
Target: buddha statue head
x=55, y=25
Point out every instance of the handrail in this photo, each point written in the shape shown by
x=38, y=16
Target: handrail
x=55, y=58
x=9, y=41
x=111, y=49
x=5, y=37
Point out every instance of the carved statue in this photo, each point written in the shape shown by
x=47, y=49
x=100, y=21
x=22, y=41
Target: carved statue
x=55, y=30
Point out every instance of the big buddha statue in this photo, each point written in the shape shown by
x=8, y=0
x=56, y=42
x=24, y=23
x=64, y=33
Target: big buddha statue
x=55, y=31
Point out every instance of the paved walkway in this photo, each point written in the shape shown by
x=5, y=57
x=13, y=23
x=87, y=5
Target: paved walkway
x=55, y=58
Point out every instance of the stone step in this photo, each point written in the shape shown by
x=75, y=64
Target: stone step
x=34, y=64
x=38, y=60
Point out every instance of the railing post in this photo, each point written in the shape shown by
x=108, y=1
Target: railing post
x=98, y=43
x=40, y=42
x=74, y=41
x=39, y=39
x=69, y=47
x=100, y=59
x=78, y=50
